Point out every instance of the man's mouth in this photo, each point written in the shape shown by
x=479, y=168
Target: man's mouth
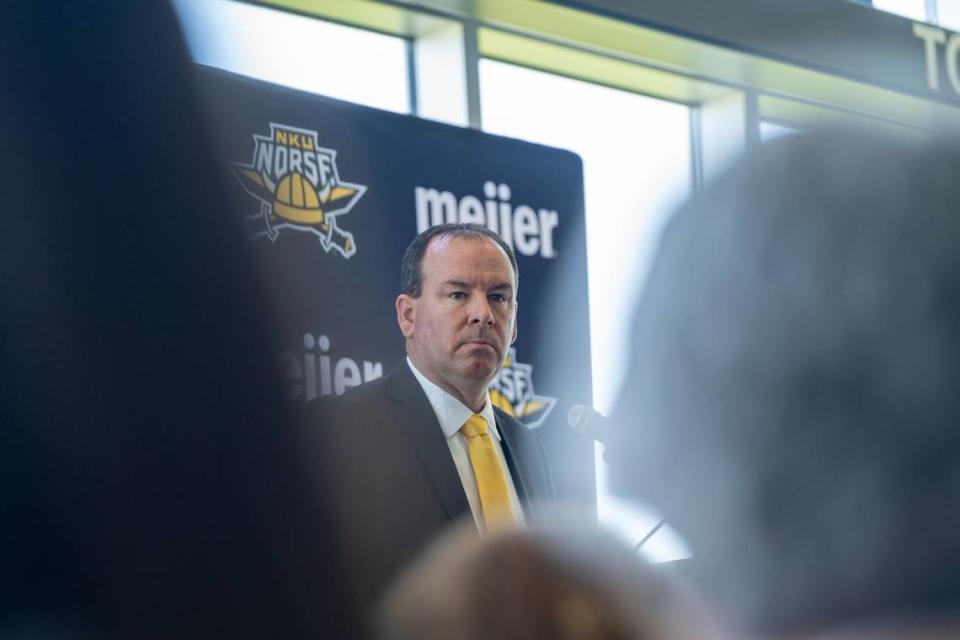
x=479, y=342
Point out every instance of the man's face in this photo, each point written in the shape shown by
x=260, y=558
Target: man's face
x=460, y=327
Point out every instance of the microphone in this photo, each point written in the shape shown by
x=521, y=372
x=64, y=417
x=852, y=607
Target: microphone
x=593, y=424
x=589, y=422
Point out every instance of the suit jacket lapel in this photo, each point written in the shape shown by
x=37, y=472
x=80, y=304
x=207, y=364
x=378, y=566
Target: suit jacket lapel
x=415, y=416
x=514, y=452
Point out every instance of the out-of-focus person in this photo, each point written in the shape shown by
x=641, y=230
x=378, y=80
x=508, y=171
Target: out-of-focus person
x=794, y=390
x=568, y=583
x=150, y=478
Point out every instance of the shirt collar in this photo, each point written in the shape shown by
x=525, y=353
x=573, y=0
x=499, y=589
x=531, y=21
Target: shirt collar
x=451, y=413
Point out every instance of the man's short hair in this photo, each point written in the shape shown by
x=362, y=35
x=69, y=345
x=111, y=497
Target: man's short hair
x=411, y=269
x=794, y=388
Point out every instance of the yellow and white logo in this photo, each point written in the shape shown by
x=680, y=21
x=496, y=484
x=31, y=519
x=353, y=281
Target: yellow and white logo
x=299, y=188
x=512, y=391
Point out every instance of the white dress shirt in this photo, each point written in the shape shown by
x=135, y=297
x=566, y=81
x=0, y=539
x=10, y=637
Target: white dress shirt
x=452, y=415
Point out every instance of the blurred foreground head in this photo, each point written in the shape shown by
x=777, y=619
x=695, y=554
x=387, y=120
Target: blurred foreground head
x=151, y=484
x=568, y=584
x=794, y=395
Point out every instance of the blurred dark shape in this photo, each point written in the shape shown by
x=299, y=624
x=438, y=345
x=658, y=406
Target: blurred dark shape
x=150, y=484
x=792, y=403
x=568, y=583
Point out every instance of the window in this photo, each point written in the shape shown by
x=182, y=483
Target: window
x=637, y=159
x=316, y=56
x=948, y=14
x=915, y=9
x=945, y=13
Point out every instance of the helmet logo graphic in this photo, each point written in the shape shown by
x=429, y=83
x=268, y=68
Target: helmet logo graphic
x=512, y=391
x=299, y=188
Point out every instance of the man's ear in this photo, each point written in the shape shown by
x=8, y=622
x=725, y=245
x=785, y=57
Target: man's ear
x=406, y=314
x=513, y=338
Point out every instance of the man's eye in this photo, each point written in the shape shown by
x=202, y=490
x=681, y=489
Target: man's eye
x=498, y=297
x=458, y=295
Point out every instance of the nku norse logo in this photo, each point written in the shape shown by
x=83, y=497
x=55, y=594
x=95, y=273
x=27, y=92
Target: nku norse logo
x=297, y=184
x=512, y=391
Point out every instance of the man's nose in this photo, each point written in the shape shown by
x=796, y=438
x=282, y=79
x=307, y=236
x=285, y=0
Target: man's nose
x=480, y=311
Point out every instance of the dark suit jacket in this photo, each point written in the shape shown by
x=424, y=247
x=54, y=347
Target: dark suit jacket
x=394, y=482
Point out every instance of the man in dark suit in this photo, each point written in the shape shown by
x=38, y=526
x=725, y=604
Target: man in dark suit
x=423, y=446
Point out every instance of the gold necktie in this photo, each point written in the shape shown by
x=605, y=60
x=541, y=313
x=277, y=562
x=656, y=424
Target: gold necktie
x=491, y=482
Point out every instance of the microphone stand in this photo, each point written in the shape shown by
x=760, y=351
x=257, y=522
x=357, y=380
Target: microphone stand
x=649, y=535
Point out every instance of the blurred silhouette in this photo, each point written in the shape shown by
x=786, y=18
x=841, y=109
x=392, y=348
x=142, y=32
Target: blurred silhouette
x=151, y=482
x=792, y=402
x=565, y=584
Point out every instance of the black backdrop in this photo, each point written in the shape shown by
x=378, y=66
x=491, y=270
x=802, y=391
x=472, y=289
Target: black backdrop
x=376, y=178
